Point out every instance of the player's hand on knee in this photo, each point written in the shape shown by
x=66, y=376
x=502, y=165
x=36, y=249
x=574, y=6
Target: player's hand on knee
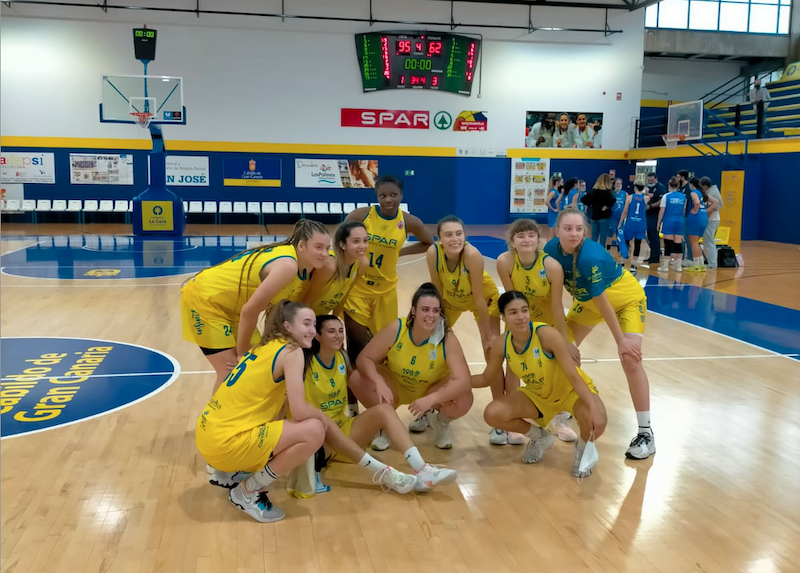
x=575, y=352
x=630, y=350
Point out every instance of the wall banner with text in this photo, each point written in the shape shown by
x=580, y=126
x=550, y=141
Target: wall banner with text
x=335, y=173
x=529, y=180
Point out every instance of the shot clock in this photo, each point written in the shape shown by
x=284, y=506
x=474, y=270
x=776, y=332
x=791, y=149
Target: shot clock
x=144, y=44
x=436, y=61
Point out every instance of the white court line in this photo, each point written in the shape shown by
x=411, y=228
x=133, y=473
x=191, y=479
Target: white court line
x=675, y=358
x=411, y=262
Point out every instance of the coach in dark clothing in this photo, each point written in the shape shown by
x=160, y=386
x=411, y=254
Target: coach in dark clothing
x=599, y=200
x=656, y=191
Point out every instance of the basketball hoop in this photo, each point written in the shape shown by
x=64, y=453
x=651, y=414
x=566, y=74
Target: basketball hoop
x=671, y=141
x=142, y=118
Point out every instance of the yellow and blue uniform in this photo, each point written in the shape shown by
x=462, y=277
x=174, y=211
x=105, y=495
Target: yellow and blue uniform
x=372, y=301
x=212, y=300
x=415, y=367
x=238, y=430
x=457, y=287
x=591, y=273
x=545, y=382
x=326, y=389
x=334, y=292
x=533, y=283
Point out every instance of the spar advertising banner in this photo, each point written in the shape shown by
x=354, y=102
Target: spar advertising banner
x=335, y=173
x=21, y=167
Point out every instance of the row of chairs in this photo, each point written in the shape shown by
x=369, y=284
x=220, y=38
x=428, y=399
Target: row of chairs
x=214, y=208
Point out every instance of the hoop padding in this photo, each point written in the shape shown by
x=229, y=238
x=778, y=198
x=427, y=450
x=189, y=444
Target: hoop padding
x=671, y=140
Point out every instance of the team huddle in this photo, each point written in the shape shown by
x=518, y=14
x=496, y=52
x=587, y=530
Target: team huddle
x=290, y=394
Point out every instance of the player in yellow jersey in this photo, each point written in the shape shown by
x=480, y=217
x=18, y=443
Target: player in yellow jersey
x=220, y=305
x=539, y=356
x=241, y=431
x=372, y=302
x=525, y=268
x=456, y=270
x=417, y=361
x=326, y=388
x=346, y=264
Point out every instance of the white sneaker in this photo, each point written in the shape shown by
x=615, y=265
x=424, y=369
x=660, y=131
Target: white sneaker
x=444, y=435
x=256, y=505
x=560, y=427
x=664, y=268
x=381, y=442
x=536, y=448
x=498, y=437
x=516, y=439
x=227, y=480
x=390, y=479
x=642, y=446
x=421, y=423
x=576, y=464
x=430, y=476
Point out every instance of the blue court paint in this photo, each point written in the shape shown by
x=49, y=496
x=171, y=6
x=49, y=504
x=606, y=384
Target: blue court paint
x=52, y=382
x=92, y=257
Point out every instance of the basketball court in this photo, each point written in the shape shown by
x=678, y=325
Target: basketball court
x=114, y=482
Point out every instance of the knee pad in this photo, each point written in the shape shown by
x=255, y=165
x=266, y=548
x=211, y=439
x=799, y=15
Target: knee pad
x=667, y=247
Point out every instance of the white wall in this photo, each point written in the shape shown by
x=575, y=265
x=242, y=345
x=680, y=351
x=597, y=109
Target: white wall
x=264, y=81
x=684, y=80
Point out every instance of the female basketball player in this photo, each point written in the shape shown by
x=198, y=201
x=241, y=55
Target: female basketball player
x=670, y=221
x=526, y=269
x=604, y=291
x=552, y=202
x=696, y=222
x=538, y=355
x=241, y=431
x=221, y=304
x=456, y=270
x=330, y=284
x=634, y=222
x=424, y=367
x=620, y=198
x=326, y=386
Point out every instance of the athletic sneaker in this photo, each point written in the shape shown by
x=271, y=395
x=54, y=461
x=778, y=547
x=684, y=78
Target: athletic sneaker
x=380, y=442
x=227, y=480
x=430, y=476
x=516, y=439
x=536, y=448
x=421, y=423
x=633, y=269
x=642, y=446
x=498, y=437
x=664, y=268
x=257, y=505
x=444, y=435
x=389, y=478
x=560, y=426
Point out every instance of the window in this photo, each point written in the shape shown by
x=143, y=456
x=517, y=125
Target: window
x=755, y=16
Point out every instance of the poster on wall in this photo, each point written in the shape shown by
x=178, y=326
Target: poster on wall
x=185, y=170
x=335, y=173
x=107, y=169
x=565, y=130
x=252, y=172
x=529, y=180
x=27, y=168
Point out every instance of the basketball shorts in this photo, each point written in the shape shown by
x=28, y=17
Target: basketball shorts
x=374, y=311
x=696, y=225
x=549, y=408
x=452, y=314
x=672, y=227
x=628, y=300
x=633, y=232
x=248, y=451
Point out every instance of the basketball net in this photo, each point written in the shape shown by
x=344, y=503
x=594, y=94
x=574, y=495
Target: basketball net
x=142, y=118
x=671, y=141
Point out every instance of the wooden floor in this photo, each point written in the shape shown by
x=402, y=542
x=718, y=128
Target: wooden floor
x=127, y=492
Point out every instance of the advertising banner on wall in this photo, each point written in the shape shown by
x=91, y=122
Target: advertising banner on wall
x=387, y=118
x=107, y=169
x=187, y=170
x=252, y=172
x=335, y=173
x=565, y=130
x=529, y=180
x=27, y=168
x=471, y=121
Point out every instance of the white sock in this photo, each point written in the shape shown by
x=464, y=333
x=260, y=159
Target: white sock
x=535, y=432
x=260, y=480
x=373, y=465
x=644, y=422
x=414, y=459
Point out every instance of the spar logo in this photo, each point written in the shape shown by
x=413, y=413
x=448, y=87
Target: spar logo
x=386, y=118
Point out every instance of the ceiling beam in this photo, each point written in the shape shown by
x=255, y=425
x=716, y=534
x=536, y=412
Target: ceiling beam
x=623, y=5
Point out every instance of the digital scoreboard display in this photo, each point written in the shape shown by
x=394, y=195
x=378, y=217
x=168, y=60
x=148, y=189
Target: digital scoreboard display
x=421, y=61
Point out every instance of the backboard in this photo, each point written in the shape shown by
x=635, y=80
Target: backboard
x=160, y=95
x=686, y=119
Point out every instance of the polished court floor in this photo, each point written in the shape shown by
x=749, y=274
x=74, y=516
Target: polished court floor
x=126, y=491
